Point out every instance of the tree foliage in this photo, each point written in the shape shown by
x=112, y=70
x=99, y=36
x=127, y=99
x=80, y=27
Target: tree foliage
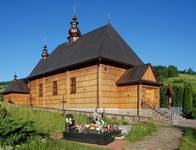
x=183, y=97
x=187, y=100
x=15, y=131
x=179, y=96
x=163, y=97
x=194, y=100
x=174, y=98
x=170, y=71
x=163, y=71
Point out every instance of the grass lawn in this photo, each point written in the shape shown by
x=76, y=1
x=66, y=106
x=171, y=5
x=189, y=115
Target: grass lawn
x=44, y=120
x=188, y=141
x=50, y=122
x=139, y=131
x=51, y=144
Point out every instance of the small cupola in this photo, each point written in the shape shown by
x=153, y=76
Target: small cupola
x=17, y=86
x=74, y=31
x=45, y=53
x=15, y=76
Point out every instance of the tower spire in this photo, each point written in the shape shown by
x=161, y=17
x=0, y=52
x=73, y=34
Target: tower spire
x=45, y=52
x=15, y=76
x=74, y=31
x=109, y=18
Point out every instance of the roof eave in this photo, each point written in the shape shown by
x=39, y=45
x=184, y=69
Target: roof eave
x=97, y=60
x=18, y=92
x=144, y=82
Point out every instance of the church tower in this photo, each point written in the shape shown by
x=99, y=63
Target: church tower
x=74, y=31
x=45, y=53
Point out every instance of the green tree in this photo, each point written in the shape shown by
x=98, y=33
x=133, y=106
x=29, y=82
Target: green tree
x=175, y=98
x=190, y=71
x=172, y=71
x=179, y=95
x=194, y=101
x=187, y=101
x=163, y=97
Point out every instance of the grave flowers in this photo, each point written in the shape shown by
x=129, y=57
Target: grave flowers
x=95, y=131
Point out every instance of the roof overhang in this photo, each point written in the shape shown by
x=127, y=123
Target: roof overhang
x=14, y=92
x=143, y=82
x=94, y=61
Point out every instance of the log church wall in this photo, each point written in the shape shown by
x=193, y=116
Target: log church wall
x=17, y=98
x=113, y=96
x=86, y=89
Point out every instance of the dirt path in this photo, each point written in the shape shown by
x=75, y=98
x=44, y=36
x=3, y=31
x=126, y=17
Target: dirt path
x=186, y=123
x=167, y=137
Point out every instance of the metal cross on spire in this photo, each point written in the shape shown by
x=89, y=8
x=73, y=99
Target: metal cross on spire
x=45, y=41
x=74, y=10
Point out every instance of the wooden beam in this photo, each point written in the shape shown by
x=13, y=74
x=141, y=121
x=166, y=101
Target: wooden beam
x=98, y=66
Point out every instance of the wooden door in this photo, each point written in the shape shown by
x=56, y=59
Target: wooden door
x=147, y=99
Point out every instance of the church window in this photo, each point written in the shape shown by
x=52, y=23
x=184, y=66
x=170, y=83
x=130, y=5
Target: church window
x=55, y=89
x=40, y=90
x=73, y=85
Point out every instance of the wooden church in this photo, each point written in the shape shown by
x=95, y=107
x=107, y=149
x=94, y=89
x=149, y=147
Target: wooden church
x=96, y=70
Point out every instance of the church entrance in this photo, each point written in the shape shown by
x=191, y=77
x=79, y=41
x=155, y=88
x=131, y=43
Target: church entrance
x=148, y=98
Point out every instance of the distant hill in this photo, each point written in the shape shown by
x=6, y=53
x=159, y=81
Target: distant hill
x=3, y=86
x=180, y=79
x=171, y=74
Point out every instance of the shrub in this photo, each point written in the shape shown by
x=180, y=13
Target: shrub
x=3, y=112
x=15, y=131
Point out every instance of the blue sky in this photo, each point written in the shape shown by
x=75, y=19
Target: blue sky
x=161, y=32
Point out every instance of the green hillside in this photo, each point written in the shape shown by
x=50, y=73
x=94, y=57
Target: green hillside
x=180, y=79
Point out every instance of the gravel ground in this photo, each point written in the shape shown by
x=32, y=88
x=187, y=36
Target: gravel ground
x=167, y=137
x=186, y=123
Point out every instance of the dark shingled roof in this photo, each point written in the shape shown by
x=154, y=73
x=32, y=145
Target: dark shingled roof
x=134, y=76
x=17, y=86
x=104, y=43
